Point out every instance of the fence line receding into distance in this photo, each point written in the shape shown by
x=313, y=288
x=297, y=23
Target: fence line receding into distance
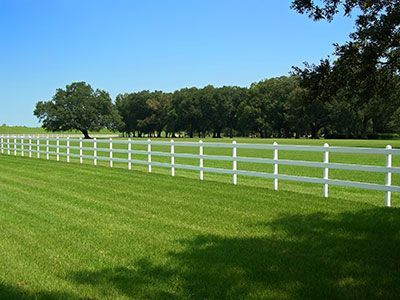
x=32, y=145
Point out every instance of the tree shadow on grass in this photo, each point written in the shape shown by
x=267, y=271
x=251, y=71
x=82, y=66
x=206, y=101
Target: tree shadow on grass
x=9, y=292
x=347, y=255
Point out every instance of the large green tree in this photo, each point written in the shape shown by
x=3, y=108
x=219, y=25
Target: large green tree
x=78, y=107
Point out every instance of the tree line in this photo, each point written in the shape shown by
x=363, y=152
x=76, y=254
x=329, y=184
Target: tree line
x=306, y=104
x=260, y=110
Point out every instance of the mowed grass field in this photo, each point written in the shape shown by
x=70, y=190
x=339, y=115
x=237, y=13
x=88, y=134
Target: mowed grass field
x=80, y=231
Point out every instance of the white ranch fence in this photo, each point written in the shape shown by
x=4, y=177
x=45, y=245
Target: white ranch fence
x=30, y=145
x=65, y=135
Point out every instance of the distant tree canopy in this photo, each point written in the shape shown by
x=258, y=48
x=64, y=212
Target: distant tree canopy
x=315, y=101
x=192, y=110
x=78, y=107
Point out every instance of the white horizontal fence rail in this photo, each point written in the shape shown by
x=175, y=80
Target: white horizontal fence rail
x=61, y=147
x=65, y=135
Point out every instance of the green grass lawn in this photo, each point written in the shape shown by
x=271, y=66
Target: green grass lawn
x=71, y=231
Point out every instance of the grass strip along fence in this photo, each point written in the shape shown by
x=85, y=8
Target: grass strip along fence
x=74, y=148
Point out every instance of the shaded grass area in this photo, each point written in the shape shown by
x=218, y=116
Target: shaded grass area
x=71, y=232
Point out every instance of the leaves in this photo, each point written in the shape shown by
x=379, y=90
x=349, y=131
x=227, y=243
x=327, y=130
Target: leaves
x=78, y=107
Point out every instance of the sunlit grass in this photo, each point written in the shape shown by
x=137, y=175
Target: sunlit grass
x=79, y=231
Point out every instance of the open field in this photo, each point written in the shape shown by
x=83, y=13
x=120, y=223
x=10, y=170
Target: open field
x=71, y=231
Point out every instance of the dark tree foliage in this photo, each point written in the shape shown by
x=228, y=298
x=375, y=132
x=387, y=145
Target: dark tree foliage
x=205, y=111
x=377, y=35
x=327, y=9
x=315, y=80
x=362, y=84
x=265, y=112
x=143, y=112
x=78, y=107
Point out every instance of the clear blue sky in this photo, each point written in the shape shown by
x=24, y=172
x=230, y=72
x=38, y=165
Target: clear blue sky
x=128, y=45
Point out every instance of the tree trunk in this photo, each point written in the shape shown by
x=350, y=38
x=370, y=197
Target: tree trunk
x=85, y=133
x=314, y=131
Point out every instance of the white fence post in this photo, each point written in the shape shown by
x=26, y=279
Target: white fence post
x=22, y=146
x=149, y=155
x=47, y=147
x=111, y=153
x=129, y=154
x=201, y=160
x=58, y=148
x=80, y=151
x=38, y=147
x=95, y=152
x=388, y=199
x=15, y=145
x=326, y=170
x=276, y=166
x=30, y=146
x=68, y=150
x=3, y=144
x=234, y=162
x=8, y=145
x=172, y=158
